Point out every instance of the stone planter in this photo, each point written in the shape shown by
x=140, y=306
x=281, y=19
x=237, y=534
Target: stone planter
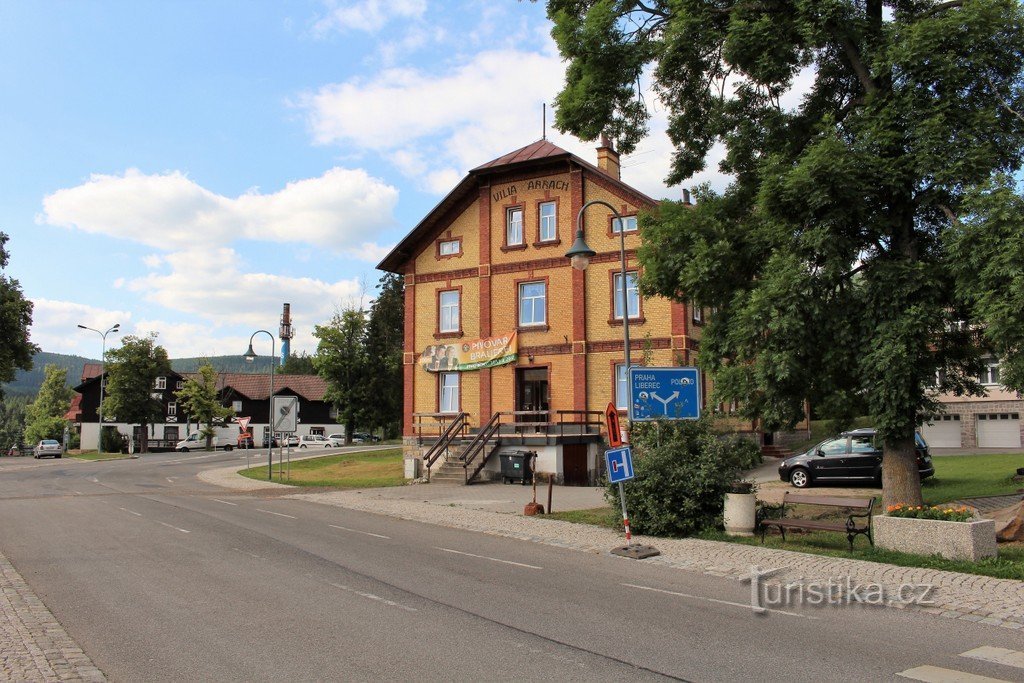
x=952, y=540
x=739, y=515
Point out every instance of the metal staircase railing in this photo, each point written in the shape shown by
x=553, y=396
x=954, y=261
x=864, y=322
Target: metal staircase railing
x=456, y=429
x=481, y=446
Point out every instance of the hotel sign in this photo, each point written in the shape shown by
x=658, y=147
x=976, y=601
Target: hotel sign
x=476, y=354
x=541, y=184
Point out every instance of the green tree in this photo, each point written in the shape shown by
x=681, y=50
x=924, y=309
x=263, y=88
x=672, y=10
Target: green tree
x=826, y=258
x=16, y=350
x=198, y=398
x=44, y=417
x=384, y=347
x=12, y=421
x=340, y=359
x=132, y=370
x=297, y=364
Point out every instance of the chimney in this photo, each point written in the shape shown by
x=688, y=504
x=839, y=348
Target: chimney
x=608, y=158
x=686, y=198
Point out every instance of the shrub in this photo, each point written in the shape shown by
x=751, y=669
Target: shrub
x=110, y=440
x=683, y=471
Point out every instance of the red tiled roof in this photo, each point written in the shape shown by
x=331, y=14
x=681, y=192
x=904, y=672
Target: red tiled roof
x=74, y=413
x=257, y=387
x=91, y=370
x=541, y=149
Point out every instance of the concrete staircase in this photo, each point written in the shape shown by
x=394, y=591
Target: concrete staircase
x=775, y=452
x=449, y=472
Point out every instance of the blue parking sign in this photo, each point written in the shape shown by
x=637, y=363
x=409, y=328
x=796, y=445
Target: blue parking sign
x=620, y=464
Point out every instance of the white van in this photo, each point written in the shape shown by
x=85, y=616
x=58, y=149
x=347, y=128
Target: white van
x=197, y=442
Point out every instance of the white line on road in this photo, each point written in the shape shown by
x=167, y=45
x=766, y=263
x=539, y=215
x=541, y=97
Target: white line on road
x=999, y=655
x=94, y=480
x=246, y=552
x=279, y=514
x=936, y=674
x=171, y=526
x=357, y=531
x=137, y=514
x=225, y=502
x=77, y=493
x=719, y=602
x=371, y=596
x=484, y=557
x=171, y=479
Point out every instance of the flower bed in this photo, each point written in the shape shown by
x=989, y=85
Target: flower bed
x=955, y=540
x=945, y=513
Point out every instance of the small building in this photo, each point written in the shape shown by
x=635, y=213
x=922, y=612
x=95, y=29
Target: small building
x=989, y=421
x=506, y=345
x=247, y=394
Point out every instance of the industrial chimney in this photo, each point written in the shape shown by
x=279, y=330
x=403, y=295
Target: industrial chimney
x=286, y=333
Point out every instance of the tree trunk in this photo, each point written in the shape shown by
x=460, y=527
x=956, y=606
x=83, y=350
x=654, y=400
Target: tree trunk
x=350, y=427
x=900, y=479
x=144, y=438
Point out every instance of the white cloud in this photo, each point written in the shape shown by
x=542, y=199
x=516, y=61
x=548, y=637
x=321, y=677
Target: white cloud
x=55, y=326
x=369, y=16
x=171, y=211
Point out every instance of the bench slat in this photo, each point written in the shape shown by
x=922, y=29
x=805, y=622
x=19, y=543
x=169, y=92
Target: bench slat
x=806, y=524
x=834, y=501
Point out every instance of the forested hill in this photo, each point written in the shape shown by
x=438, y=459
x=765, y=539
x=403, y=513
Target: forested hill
x=28, y=383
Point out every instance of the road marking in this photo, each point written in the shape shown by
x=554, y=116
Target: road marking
x=171, y=479
x=131, y=511
x=936, y=674
x=171, y=526
x=279, y=514
x=77, y=493
x=484, y=557
x=998, y=655
x=225, y=502
x=94, y=480
x=371, y=596
x=357, y=531
x=246, y=552
x=719, y=602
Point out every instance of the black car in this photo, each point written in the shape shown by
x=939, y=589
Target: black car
x=854, y=456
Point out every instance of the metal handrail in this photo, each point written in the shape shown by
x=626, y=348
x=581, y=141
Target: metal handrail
x=457, y=425
x=478, y=444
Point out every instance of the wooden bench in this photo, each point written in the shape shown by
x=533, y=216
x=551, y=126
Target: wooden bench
x=858, y=508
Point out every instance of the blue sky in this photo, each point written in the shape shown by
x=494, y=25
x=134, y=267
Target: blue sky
x=187, y=167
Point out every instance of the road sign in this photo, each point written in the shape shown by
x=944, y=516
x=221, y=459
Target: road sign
x=611, y=421
x=664, y=393
x=620, y=464
x=243, y=423
x=285, y=411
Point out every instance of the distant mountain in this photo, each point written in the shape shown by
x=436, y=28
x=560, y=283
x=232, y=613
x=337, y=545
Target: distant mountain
x=28, y=383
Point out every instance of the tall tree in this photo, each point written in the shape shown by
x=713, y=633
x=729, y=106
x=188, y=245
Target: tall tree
x=12, y=421
x=828, y=258
x=132, y=370
x=44, y=417
x=384, y=344
x=297, y=364
x=198, y=398
x=340, y=359
x=16, y=350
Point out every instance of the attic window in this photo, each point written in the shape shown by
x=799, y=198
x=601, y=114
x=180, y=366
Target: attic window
x=449, y=248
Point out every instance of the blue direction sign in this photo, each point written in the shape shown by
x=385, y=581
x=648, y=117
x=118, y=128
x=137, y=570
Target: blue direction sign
x=664, y=393
x=620, y=464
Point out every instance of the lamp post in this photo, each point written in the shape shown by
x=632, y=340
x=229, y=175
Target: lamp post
x=250, y=356
x=579, y=256
x=103, y=372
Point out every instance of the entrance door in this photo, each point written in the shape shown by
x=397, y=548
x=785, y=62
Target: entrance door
x=574, y=464
x=532, y=393
x=171, y=435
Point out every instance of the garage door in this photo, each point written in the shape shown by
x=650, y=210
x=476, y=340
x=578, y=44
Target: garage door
x=999, y=430
x=943, y=431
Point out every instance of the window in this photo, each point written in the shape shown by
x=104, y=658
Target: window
x=161, y=383
x=548, y=222
x=632, y=296
x=990, y=373
x=449, y=247
x=621, y=387
x=449, y=398
x=172, y=408
x=448, y=302
x=236, y=406
x=629, y=222
x=156, y=397
x=532, y=303
x=834, y=447
x=862, y=443
x=514, y=226
x=698, y=314
x=180, y=384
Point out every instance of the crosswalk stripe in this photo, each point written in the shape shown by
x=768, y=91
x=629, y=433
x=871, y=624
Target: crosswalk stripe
x=998, y=655
x=936, y=674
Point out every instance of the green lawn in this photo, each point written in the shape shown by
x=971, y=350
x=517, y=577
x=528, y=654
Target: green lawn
x=94, y=455
x=368, y=469
x=969, y=476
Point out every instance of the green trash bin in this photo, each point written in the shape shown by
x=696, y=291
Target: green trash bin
x=517, y=466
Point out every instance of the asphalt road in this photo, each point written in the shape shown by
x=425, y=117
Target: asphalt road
x=159, y=576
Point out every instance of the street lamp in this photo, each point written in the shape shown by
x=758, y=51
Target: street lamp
x=250, y=356
x=103, y=371
x=579, y=256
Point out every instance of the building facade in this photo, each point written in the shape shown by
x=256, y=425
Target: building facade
x=500, y=328
x=990, y=421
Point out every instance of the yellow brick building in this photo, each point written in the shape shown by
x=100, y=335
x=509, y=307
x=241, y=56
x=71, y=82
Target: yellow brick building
x=488, y=263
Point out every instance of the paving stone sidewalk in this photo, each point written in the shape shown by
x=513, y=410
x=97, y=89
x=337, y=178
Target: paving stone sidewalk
x=998, y=602
x=33, y=645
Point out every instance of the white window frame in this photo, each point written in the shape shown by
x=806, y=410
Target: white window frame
x=534, y=302
x=632, y=289
x=514, y=227
x=180, y=384
x=161, y=383
x=698, y=313
x=548, y=222
x=172, y=408
x=621, y=387
x=989, y=376
x=236, y=406
x=630, y=222
x=448, y=392
x=449, y=247
x=448, y=314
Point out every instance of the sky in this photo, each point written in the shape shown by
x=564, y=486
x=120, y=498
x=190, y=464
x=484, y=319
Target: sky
x=187, y=167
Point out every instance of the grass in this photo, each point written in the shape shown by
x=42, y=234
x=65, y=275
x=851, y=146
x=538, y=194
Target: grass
x=368, y=469
x=970, y=476
x=96, y=455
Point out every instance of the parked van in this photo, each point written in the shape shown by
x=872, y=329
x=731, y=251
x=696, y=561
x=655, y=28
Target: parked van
x=197, y=442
